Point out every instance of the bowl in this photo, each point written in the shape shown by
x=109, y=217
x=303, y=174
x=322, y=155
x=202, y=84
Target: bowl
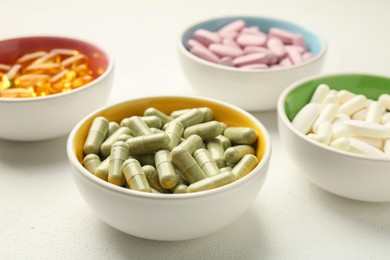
x=354, y=176
x=169, y=216
x=250, y=89
x=46, y=117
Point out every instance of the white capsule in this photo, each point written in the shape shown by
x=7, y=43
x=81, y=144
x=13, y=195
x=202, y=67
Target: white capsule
x=331, y=98
x=385, y=118
x=344, y=95
x=327, y=114
x=363, y=148
x=339, y=129
x=368, y=129
x=305, y=118
x=360, y=115
x=385, y=100
x=386, y=147
x=341, y=143
x=320, y=93
x=324, y=132
x=375, y=142
x=374, y=112
x=353, y=105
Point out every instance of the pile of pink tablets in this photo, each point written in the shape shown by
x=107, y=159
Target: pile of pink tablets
x=239, y=46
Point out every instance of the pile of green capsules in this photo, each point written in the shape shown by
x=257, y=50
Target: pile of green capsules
x=184, y=152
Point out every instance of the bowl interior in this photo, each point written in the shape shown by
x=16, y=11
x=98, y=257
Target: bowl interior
x=371, y=86
x=12, y=49
x=313, y=41
x=224, y=113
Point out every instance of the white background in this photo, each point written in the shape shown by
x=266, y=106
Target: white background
x=42, y=215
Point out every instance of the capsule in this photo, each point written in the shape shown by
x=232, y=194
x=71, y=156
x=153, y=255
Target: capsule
x=206, y=162
x=319, y=94
x=148, y=143
x=245, y=165
x=102, y=170
x=331, y=98
x=385, y=100
x=374, y=112
x=96, y=135
x=344, y=95
x=206, y=130
x=217, y=151
x=152, y=121
x=179, y=112
x=146, y=159
x=174, y=130
x=105, y=148
x=305, y=118
x=353, y=105
x=123, y=137
x=134, y=175
x=155, y=112
x=44, y=68
x=192, y=143
x=240, y=135
x=74, y=61
x=368, y=129
x=112, y=127
x=183, y=160
x=152, y=178
x=138, y=126
x=226, y=143
x=360, y=115
x=91, y=162
x=207, y=113
x=166, y=171
x=327, y=114
x=225, y=169
x=119, y=153
x=180, y=188
x=234, y=154
x=192, y=117
x=212, y=182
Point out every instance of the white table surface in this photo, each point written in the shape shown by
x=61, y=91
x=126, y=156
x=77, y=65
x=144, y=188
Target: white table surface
x=42, y=215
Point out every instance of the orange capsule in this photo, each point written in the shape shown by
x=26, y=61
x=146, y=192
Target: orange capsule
x=31, y=80
x=44, y=68
x=30, y=57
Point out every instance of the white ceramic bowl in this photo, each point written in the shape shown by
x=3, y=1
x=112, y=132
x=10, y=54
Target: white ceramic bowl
x=169, y=216
x=39, y=118
x=251, y=90
x=354, y=176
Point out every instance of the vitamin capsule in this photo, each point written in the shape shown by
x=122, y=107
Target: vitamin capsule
x=331, y=98
x=49, y=57
x=102, y=170
x=234, y=154
x=327, y=114
x=152, y=121
x=112, y=127
x=225, y=50
x=285, y=36
x=191, y=43
x=339, y=128
x=179, y=112
x=324, y=133
x=375, y=142
x=207, y=113
x=217, y=151
x=152, y=178
x=252, y=58
x=192, y=143
x=224, y=126
x=13, y=71
x=385, y=100
x=206, y=162
x=353, y=105
x=341, y=143
x=246, y=39
x=123, y=137
x=119, y=153
x=245, y=165
x=240, y=135
x=192, y=117
x=96, y=135
x=225, y=169
x=44, y=68
x=344, y=95
x=146, y=159
x=205, y=54
x=306, y=117
x=360, y=115
x=105, y=148
x=174, y=130
x=206, y=130
x=385, y=118
x=17, y=92
x=224, y=140
x=155, y=112
x=206, y=37
x=319, y=94
x=374, y=112
x=294, y=54
x=138, y=126
x=231, y=42
x=212, y=182
x=166, y=171
x=286, y=62
x=360, y=147
x=180, y=188
x=91, y=162
x=148, y=143
x=226, y=61
x=156, y=131
x=73, y=61
x=134, y=175
x=368, y=129
x=276, y=46
x=234, y=26
x=183, y=160
x=30, y=57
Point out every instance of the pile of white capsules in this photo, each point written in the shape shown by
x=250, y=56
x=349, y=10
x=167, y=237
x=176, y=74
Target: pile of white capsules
x=184, y=152
x=347, y=121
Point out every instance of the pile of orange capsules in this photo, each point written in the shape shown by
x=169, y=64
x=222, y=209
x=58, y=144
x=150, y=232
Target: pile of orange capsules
x=44, y=73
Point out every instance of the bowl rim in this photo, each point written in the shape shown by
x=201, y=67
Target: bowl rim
x=191, y=56
x=80, y=170
x=283, y=117
x=106, y=51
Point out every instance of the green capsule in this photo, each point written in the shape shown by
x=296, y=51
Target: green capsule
x=207, y=113
x=216, y=150
x=146, y=159
x=225, y=169
x=224, y=140
x=151, y=111
x=152, y=121
x=192, y=117
x=148, y=143
x=156, y=130
x=152, y=177
x=91, y=162
x=119, y=153
x=224, y=126
x=206, y=162
x=166, y=171
x=234, y=154
x=192, y=143
x=245, y=165
x=125, y=122
x=212, y=182
x=240, y=135
x=183, y=160
x=174, y=130
x=206, y=130
x=112, y=127
x=96, y=135
x=123, y=137
x=155, y=191
x=180, y=188
x=102, y=170
x=138, y=127
x=178, y=113
x=105, y=148
x=134, y=175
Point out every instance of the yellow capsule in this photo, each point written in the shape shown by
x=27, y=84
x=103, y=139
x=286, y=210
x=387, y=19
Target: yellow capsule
x=30, y=57
x=44, y=68
x=245, y=165
x=135, y=177
x=39, y=82
x=91, y=162
x=74, y=61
